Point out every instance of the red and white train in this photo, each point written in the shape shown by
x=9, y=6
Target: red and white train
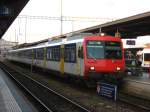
x=84, y=56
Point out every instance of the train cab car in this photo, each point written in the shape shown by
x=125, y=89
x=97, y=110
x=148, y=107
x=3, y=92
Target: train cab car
x=84, y=56
x=146, y=58
x=103, y=57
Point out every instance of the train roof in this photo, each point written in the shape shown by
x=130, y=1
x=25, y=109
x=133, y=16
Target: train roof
x=72, y=38
x=69, y=40
x=105, y=37
x=28, y=48
x=64, y=41
x=54, y=43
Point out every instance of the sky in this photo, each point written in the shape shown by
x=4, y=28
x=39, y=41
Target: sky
x=31, y=30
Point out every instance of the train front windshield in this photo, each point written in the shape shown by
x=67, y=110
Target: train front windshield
x=103, y=50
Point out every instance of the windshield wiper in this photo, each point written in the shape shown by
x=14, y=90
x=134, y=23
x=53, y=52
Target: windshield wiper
x=92, y=57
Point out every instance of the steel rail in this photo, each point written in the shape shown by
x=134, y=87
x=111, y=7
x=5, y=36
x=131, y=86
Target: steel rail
x=2, y=66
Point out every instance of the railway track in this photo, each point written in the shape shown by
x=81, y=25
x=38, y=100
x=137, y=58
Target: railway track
x=49, y=99
x=134, y=102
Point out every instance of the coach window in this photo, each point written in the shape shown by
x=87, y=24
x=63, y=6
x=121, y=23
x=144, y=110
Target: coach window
x=80, y=52
x=53, y=53
x=40, y=53
x=20, y=54
x=29, y=54
x=70, y=53
x=34, y=50
x=26, y=54
x=66, y=54
x=49, y=53
x=56, y=53
x=23, y=54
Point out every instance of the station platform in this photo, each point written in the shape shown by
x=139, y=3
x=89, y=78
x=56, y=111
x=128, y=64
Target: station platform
x=144, y=78
x=138, y=85
x=11, y=98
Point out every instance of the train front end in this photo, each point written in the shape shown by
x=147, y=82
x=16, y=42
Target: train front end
x=103, y=58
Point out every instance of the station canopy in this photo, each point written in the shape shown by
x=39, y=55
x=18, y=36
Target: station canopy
x=9, y=10
x=130, y=27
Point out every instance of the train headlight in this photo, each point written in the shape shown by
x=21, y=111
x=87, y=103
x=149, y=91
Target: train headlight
x=102, y=34
x=92, y=68
x=118, y=68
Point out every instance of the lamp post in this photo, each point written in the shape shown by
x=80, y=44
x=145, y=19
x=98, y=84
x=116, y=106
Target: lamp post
x=61, y=17
x=26, y=29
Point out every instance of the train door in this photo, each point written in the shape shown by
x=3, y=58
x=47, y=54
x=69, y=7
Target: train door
x=70, y=59
x=146, y=58
x=62, y=59
x=80, y=60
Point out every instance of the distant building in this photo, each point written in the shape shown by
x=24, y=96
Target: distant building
x=5, y=46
